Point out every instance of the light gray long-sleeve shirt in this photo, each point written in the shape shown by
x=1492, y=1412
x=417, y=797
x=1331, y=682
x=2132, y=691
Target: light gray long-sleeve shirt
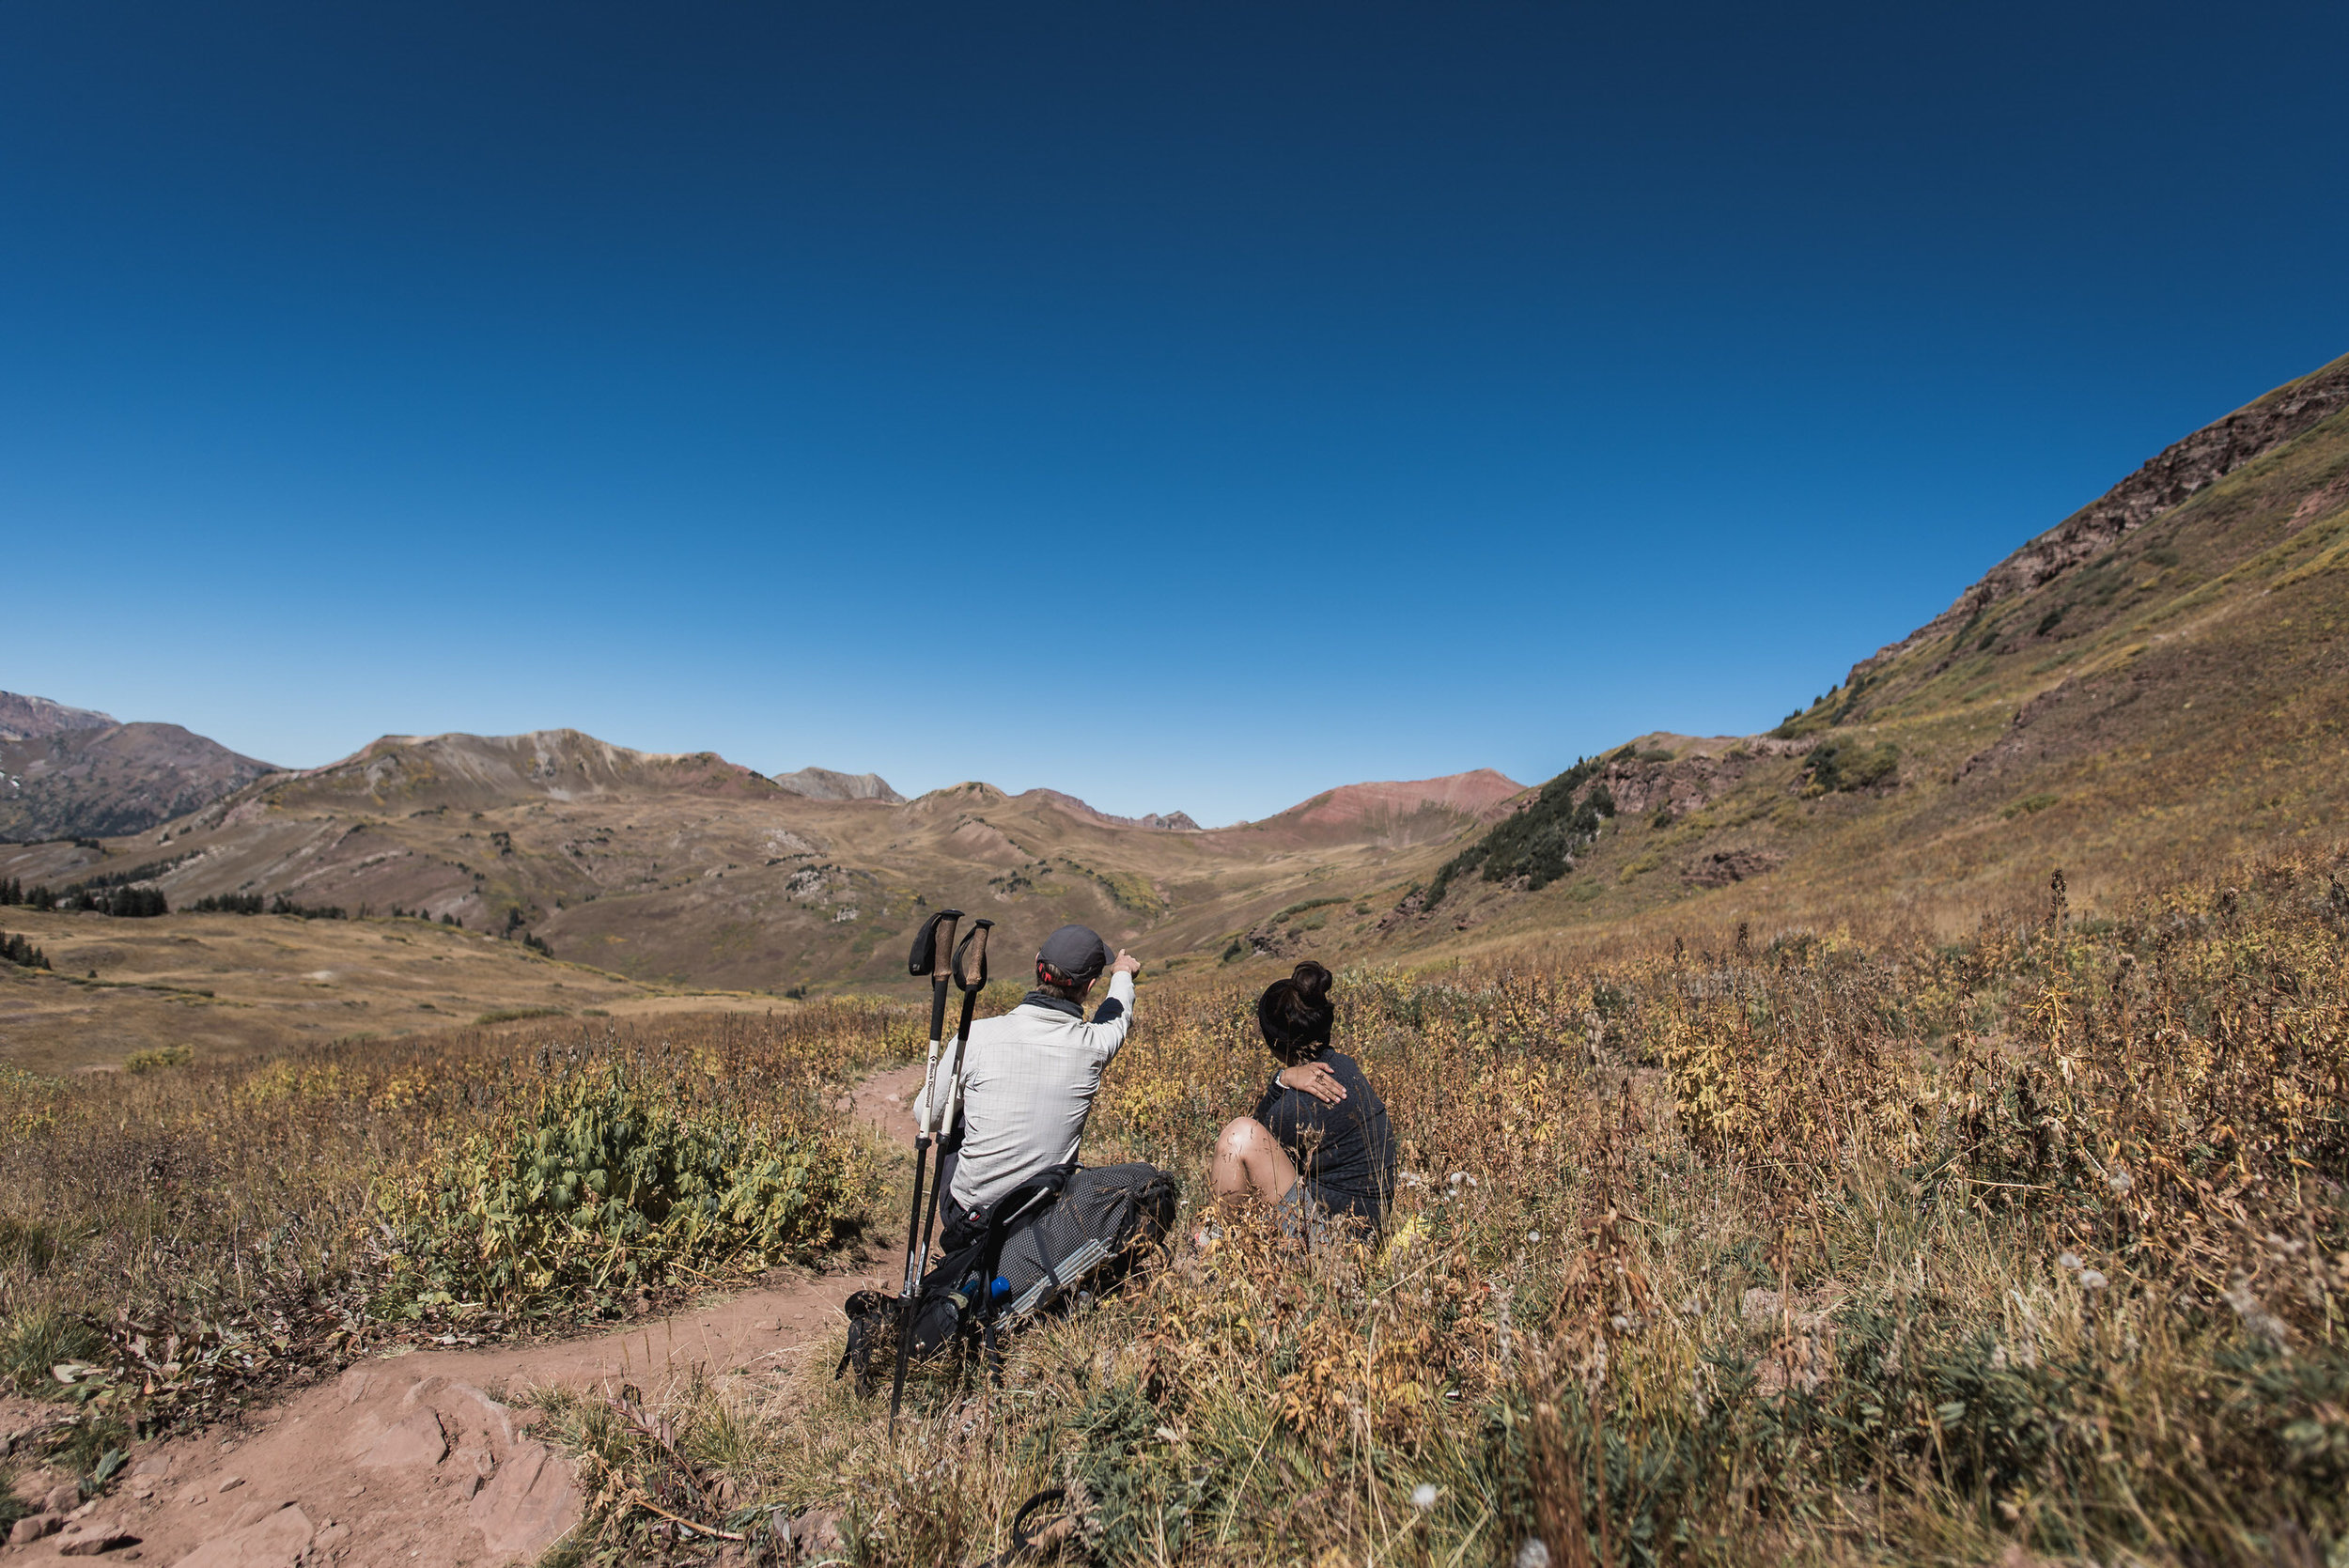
x=1029, y=1079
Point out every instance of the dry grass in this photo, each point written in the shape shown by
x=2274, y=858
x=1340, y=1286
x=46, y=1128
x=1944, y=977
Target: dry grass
x=233, y=985
x=2027, y=1247
x=1839, y=1246
x=205, y=1233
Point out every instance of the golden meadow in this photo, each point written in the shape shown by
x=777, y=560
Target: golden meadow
x=1840, y=1244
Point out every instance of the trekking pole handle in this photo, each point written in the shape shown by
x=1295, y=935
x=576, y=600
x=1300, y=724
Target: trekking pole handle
x=971, y=958
x=944, y=923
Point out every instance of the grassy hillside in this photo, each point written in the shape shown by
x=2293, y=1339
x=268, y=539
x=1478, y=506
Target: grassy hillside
x=2160, y=680
x=220, y=987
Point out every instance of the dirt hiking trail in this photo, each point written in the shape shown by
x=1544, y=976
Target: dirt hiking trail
x=415, y=1459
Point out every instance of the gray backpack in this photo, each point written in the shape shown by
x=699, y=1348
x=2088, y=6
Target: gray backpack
x=1068, y=1235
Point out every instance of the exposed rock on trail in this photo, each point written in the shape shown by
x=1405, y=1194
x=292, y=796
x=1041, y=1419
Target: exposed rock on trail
x=414, y=1459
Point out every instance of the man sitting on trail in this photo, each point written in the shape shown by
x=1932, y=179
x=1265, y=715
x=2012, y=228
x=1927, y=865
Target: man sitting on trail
x=1319, y=1147
x=1028, y=1077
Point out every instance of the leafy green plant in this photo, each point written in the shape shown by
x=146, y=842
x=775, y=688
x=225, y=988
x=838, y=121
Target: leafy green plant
x=157, y=1059
x=609, y=1187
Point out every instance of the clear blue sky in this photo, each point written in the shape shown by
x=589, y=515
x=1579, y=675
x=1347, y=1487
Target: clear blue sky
x=1187, y=406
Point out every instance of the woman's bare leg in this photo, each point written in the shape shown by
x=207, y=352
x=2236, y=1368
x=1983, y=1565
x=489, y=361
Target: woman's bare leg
x=1250, y=1162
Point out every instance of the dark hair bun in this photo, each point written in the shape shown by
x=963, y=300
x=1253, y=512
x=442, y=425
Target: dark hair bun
x=1295, y=1014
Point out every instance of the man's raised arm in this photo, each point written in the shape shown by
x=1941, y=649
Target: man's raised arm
x=1115, y=1016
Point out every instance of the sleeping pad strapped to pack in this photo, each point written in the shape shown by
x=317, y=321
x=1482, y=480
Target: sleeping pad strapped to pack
x=1088, y=1238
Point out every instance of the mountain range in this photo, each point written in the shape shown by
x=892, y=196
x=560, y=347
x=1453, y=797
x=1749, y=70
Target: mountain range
x=2158, y=676
x=71, y=772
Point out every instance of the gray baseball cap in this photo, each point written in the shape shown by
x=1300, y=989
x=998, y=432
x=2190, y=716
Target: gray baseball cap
x=1076, y=952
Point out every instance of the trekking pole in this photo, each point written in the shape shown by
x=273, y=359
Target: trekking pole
x=922, y=960
x=943, y=1107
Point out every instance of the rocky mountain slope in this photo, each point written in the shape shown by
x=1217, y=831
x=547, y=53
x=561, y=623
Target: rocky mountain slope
x=822, y=783
x=70, y=772
x=24, y=717
x=2160, y=677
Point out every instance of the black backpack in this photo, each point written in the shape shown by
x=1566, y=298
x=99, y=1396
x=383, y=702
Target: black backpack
x=1060, y=1237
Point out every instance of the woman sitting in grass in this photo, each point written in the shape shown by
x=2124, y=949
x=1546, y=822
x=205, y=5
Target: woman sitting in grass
x=1319, y=1147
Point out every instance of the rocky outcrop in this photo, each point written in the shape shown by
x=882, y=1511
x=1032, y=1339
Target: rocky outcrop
x=26, y=718
x=1412, y=911
x=1680, y=787
x=2207, y=456
x=822, y=783
x=1724, y=866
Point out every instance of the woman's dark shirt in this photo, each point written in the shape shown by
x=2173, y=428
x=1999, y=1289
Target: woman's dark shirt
x=1345, y=1152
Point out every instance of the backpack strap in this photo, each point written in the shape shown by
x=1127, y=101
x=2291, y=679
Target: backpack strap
x=1010, y=1214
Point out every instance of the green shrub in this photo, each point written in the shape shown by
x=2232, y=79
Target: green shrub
x=1538, y=843
x=608, y=1187
x=161, y=1057
x=227, y=904
x=1846, y=764
x=514, y=1015
x=2299, y=1406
